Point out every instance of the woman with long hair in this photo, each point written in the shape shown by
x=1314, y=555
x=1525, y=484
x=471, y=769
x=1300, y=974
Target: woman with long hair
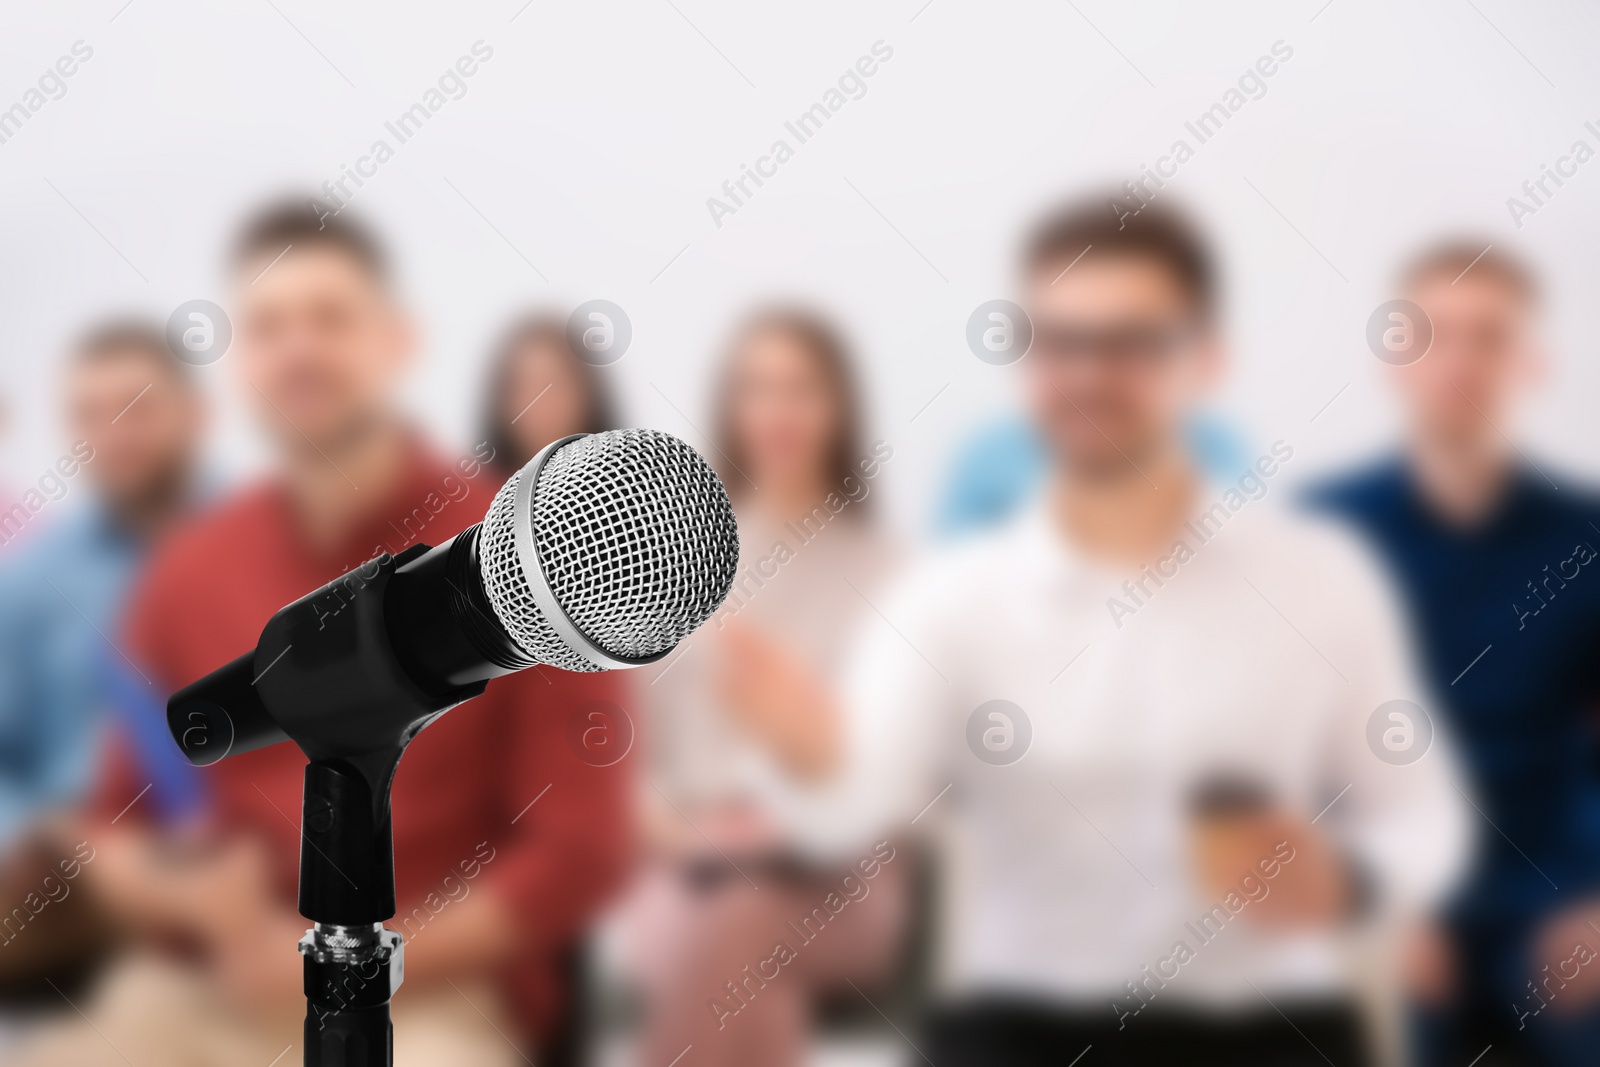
x=732, y=719
x=539, y=391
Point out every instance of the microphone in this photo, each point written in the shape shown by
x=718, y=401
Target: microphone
x=602, y=553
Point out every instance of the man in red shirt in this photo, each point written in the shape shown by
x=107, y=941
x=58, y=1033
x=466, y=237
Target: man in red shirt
x=506, y=838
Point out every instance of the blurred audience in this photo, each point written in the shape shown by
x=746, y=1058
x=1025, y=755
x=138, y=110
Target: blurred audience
x=994, y=473
x=1132, y=711
x=733, y=721
x=1491, y=554
x=1135, y=715
x=540, y=391
x=321, y=343
x=135, y=417
x=998, y=469
x=537, y=392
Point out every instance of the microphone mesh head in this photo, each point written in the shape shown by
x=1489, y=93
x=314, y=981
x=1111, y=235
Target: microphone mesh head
x=636, y=540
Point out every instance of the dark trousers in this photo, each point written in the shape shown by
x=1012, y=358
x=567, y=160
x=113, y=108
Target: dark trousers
x=1001, y=1033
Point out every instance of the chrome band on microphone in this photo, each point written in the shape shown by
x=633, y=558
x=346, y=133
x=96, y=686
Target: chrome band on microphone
x=534, y=573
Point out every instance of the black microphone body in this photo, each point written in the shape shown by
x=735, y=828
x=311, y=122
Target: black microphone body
x=351, y=672
x=440, y=620
x=351, y=666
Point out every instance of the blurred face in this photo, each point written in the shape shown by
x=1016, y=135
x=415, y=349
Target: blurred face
x=320, y=345
x=784, y=413
x=1118, y=358
x=139, y=445
x=1484, y=356
x=545, y=397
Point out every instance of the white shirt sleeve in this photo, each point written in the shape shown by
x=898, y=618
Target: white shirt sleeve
x=1404, y=818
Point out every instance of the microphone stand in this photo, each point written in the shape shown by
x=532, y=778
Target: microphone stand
x=350, y=705
x=352, y=965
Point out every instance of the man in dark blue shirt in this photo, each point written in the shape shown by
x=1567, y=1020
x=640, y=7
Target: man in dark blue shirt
x=1498, y=559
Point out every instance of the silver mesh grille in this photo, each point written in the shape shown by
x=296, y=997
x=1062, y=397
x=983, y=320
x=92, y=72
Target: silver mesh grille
x=638, y=544
x=506, y=585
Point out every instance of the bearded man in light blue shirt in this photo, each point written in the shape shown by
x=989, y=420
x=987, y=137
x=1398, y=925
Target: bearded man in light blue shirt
x=71, y=545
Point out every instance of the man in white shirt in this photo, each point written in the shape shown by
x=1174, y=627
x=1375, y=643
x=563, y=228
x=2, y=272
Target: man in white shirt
x=1166, y=737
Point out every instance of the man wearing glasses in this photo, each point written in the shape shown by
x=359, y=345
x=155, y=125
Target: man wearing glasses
x=1136, y=719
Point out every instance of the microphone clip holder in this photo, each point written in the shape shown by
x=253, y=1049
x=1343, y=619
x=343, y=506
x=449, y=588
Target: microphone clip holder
x=325, y=676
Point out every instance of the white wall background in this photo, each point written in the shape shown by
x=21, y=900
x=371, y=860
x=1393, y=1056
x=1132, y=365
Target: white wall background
x=596, y=132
